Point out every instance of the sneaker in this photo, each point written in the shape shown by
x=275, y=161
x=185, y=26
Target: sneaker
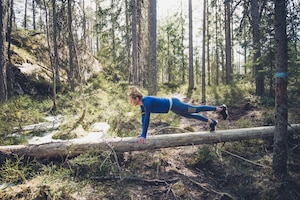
x=213, y=125
x=224, y=112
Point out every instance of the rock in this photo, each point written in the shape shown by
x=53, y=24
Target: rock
x=100, y=127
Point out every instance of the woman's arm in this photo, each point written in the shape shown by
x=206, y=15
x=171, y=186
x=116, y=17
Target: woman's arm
x=145, y=123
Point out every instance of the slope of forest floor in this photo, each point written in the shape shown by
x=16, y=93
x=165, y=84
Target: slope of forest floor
x=232, y=170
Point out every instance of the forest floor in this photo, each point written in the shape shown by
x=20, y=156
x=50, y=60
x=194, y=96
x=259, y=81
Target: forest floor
x=231, y=170
x=235, y=170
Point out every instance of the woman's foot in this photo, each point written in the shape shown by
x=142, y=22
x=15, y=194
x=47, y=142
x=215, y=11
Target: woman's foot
x=212, y=125
x=224, y=112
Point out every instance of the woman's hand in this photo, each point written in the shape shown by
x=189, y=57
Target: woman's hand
x=141, y=140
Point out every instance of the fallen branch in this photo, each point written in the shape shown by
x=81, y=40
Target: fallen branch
x=208, y=188
x=242, y=158
x=41, y=127
x=170, y=190
x=138, y=179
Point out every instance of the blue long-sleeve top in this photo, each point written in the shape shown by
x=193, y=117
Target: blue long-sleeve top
x=150, y=105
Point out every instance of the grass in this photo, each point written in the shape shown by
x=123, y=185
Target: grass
x=17, y=170
x=204, y=157
x=105, y=102
x=18, y=112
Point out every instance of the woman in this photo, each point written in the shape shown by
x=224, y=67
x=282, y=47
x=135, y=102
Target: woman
x=152, y=104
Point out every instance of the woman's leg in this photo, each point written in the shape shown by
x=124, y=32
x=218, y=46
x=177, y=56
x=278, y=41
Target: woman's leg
x=194, y=116
x=191, y=111
x=184, y=108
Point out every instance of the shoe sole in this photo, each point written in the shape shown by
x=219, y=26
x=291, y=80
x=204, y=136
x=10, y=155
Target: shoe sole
x=216, y=122
x=226, y=111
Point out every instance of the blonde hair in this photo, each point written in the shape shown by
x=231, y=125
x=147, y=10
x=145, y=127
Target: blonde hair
x=135, y=92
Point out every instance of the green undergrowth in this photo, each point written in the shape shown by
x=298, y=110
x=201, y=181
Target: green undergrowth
x=18, y=112
x=103, y=101
x=69, y=178
x=102, y=174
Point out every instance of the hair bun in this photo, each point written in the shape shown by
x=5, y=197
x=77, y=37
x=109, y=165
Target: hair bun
x=135, y=92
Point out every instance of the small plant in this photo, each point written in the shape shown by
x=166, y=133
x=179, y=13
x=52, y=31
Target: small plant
x=268, y=118
x=244, y=123
x=16, y=113
x=95, y=163
x=204, y=157
x=17, y=171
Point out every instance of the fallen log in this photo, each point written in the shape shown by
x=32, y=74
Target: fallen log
x=75, y=147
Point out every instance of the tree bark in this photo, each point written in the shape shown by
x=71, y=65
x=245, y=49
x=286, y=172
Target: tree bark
x=33, y=15
x=25, y=14
x=217, y=46
x=152, y=68
x=128, y=44
x=191, y=60
x=3, y=78
x=208, y=34
x=183, y=71
x=280, y=150
x=55, y=65
x=55, y=72
x=228, y=47
x=72, y=72
x=134, y=43
x=75, y=147
x=9, y=66
x=140, y=35
x=203, y=54
x=257, y=66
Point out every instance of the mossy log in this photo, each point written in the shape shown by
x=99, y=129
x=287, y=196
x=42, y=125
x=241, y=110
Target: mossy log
x=75, y=147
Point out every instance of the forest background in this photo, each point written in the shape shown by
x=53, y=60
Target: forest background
x=233, y=52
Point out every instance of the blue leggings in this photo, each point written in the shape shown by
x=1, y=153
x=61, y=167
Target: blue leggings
x=190, y=111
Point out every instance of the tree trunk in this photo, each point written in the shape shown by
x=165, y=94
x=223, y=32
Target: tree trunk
x=33, y=15
x=3, y=78
x=9, y=67
x=203, y=54
x=140, y=32
x=84, y=24
x=257, y=67
x=228, y=41
x=168, y=72
x=182, y=44
x=97, y=29
x=128, y=46
x=25, y=14
x=50, y=52
x=55, y=66
x=217, y=45
x=207, y=19
x=75, y=147
x=134, y=43
x=152, y=68
x=191, y=61
x=72, y=74
x=280, y=135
